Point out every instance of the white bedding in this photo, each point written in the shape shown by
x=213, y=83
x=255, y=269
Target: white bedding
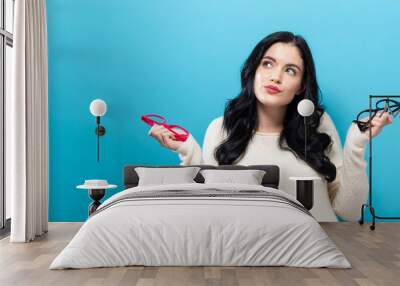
x=184, y=231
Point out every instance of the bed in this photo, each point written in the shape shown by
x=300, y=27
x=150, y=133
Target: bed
x=201, y=224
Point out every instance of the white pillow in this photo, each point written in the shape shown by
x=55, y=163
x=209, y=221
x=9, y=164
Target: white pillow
x=163, y=176
x=249, y=177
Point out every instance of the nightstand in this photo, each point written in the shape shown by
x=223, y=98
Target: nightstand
x=96, y=190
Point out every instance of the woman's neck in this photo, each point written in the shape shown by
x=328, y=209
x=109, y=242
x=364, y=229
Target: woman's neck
x=270, y=119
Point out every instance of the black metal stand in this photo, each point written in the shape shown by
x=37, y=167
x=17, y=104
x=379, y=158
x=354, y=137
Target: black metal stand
x=369, y=205
x=305, y=193
x=305, y=190
x=96, y=195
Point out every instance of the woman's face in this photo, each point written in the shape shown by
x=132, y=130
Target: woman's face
x=279, y=75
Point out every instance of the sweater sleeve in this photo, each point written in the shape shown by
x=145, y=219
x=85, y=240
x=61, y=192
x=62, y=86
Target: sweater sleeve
x=349, y=190
x=190, y=152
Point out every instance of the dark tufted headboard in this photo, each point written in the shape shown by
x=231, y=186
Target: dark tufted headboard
x=271, y=177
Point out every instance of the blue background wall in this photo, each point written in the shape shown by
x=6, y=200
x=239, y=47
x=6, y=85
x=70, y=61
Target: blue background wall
x=182, y=59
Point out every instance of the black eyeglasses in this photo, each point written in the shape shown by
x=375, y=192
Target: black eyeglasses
x=386, y=105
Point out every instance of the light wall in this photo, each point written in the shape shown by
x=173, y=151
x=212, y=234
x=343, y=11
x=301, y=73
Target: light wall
x=181, y=59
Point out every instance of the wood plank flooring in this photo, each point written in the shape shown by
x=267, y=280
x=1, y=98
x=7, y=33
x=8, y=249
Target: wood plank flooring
x=374, y=255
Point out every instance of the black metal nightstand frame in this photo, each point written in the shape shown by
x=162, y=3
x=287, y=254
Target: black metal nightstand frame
x=96, y=195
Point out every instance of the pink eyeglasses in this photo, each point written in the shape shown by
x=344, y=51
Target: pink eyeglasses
x=152, y=119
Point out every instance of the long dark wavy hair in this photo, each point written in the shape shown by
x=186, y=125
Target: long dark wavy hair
x=241, y=120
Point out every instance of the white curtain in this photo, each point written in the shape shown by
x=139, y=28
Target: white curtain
x=27, y=124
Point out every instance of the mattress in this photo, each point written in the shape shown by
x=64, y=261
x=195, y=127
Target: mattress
x=201, y=225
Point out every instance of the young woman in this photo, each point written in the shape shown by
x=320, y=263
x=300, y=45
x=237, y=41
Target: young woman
x=262, y=126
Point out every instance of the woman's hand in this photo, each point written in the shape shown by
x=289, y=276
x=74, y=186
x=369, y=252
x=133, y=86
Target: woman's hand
x=165, y=137
x=380, y=120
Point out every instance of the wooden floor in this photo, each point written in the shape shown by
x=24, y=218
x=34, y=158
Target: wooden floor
x=374, y=255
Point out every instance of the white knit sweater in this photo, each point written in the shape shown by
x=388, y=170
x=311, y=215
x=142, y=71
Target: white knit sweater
x=344, y=196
